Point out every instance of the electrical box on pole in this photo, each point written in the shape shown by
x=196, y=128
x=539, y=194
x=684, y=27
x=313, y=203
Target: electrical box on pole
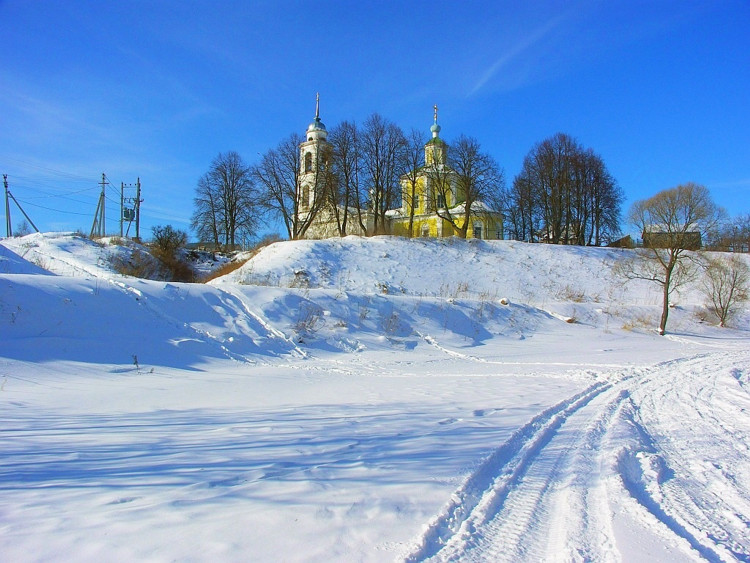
x=129, y=205
x=138, y=201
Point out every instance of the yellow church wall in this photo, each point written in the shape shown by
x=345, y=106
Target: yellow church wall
x=437, y=227
x=406, y=194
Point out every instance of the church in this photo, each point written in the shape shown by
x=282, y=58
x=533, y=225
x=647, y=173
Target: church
x=429, y=194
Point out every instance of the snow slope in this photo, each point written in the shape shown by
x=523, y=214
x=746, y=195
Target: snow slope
x=366, y=400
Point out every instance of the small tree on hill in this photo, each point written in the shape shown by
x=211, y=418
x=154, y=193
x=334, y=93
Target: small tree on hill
x=168, y=240
x=725, y=285
x=675, y=214
x=166, y=246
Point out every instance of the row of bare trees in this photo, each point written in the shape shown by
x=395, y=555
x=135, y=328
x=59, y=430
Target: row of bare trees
x=730, y=235
x=358, y=173
x=564, y=194
x=225, y=202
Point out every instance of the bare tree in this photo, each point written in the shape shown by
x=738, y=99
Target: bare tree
x=726, y=285
x=346, y=166
x=413, y=156
x=277, y=175
x=207, y=218
x=732, y=235
x=471, y=177
x=522, y=212
x=567, y=193
x=383, y=145
x=675, y=215
x=226, y=204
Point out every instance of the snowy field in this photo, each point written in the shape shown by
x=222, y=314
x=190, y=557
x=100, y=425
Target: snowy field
x=366, y=400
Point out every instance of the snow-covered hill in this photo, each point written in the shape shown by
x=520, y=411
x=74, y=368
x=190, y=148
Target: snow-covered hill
x=366, y=399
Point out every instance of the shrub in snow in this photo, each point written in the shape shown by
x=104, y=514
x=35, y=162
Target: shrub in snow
x=138, y=264
x=308, y=319
x=301, y=279
x=726, y=284
x=166, y=247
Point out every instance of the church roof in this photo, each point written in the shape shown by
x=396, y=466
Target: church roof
x=316, y=125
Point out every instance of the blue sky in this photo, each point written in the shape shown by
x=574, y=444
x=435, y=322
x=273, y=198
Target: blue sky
x=156, y=89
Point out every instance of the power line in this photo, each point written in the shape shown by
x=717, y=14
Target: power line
x=52, y=209
x=32, y=190
x=50, y=195
x=52, y=185
x=68, y=175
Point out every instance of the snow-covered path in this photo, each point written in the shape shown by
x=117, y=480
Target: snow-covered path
x=610, y=464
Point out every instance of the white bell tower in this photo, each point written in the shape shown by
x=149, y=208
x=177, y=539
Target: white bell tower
x=312, y=159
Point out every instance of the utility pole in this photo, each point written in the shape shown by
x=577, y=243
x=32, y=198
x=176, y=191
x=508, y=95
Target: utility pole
x=22, y=211
x=98, y=228
x=8, y=230
x=122, y=205
x=8, y=197
x=138, y=209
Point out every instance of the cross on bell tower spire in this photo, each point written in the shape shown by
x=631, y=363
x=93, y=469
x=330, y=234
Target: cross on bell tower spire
x=434, y=150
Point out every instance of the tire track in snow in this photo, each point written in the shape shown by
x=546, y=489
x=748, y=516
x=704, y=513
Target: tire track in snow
x=483, y=495
x=667, y=442
x=557, y=507
x=695, y=405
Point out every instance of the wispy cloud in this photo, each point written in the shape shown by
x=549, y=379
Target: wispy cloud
x=731, y=184
x=516, y=51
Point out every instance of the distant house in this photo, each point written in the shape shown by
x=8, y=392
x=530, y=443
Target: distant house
x=690, y=240
x=624, y=242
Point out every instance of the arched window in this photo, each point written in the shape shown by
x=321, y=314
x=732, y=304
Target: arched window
x=308, y=162
x=305, y=203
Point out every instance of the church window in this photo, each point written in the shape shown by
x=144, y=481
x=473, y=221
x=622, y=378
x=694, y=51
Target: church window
x=477, y=230
x=305, y=196
x=441, y=201
x=308, y=162
x=425, y=230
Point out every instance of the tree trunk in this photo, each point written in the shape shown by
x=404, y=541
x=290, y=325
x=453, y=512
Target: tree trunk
x=664, y=311
x=665, y=304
